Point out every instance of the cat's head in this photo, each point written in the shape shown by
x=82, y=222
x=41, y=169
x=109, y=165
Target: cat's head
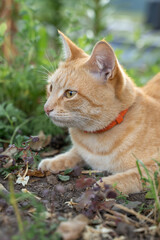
x=88, y=92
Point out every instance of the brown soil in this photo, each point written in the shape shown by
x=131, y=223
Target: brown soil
x=54, y=195
x=46, y=189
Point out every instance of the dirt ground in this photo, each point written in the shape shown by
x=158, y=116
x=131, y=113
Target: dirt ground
x=58, y=196
x=45, y=189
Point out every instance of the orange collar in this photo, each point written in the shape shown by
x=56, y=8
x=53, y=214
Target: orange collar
x=118, y=120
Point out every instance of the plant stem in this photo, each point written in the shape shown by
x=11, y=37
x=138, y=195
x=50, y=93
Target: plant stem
x=17, y=128
x=14, y=204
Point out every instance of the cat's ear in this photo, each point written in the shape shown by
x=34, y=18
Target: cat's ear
x=71, y=51
x=102, y=61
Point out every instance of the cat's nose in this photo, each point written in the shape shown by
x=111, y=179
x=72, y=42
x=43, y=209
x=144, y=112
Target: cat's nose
x=48, y=110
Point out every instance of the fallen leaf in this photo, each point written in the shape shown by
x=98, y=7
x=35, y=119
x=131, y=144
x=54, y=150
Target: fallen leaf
x=84, y=182
x=42, y=142
x=63, y=178
x=35, y=173
x=22, y=180
x=68, y=170
x=97, y=233
x=10, y=151
x=72, y=229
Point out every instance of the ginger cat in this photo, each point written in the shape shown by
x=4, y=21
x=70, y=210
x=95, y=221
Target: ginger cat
x=91, y=95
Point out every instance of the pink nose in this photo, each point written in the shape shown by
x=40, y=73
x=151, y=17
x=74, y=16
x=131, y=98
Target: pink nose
x=47, y=110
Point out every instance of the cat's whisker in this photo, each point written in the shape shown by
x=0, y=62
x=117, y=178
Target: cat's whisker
x=45, y=73
x=49, y=61
x=46, y=69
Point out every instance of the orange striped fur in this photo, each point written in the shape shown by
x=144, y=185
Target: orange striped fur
x=102, y=91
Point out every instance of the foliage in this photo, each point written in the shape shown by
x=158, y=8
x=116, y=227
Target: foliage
x=151, y=182
x=18, y=156
x=10, y=118
x=94, y=199
x=22, y=80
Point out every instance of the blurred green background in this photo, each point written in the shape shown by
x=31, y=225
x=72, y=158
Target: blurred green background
x=30, y=49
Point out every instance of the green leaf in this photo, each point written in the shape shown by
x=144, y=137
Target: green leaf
x=69, y=170
x=63, y=178
x=149, y=195
x=3, y=28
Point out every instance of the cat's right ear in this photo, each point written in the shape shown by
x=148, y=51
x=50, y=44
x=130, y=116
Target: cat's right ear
x=71, y=51
x=102, y=61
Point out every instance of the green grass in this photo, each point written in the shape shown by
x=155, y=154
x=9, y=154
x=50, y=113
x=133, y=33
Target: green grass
x=150, y=182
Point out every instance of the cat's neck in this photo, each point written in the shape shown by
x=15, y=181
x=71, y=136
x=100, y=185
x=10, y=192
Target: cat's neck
x=117, y=121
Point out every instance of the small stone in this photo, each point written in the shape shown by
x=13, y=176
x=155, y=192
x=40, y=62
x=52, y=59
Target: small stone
x=9, y=210
x=70, y=187
x=51, y=179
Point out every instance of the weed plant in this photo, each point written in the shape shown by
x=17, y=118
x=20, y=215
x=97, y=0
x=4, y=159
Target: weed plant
x=151, y=182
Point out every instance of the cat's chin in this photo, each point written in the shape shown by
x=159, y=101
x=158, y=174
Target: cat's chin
x=62, y=123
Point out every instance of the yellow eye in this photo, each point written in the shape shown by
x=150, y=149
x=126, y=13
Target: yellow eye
x=69, y=93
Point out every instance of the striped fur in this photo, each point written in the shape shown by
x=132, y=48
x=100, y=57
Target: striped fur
x=104, y=90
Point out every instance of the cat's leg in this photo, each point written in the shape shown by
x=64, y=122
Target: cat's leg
x=128, y=181
x=60, y=162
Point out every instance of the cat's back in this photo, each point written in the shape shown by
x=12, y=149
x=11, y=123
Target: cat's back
x=152, y=88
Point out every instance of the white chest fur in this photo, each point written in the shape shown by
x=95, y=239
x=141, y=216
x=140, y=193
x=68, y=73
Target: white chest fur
x=94, y=152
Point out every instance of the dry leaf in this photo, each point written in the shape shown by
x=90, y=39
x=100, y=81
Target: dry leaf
x=42, y=142
x=97, y=233
x=37, y=173
x=10, y=152
x=72, y=229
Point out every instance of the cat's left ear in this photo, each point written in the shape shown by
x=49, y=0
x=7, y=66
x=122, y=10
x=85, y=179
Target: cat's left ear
x=71, y=51
x=102, y=61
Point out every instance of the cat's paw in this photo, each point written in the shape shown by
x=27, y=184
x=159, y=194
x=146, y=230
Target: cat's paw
x=52, y=165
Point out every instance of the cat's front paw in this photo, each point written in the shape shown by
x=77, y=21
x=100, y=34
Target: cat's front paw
x=44, y=165
x=52, y=165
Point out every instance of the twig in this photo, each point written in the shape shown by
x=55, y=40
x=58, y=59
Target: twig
x=26, y=171
x=121, y=216
x=138, y=215
x=91, y=171
x=143, y=229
